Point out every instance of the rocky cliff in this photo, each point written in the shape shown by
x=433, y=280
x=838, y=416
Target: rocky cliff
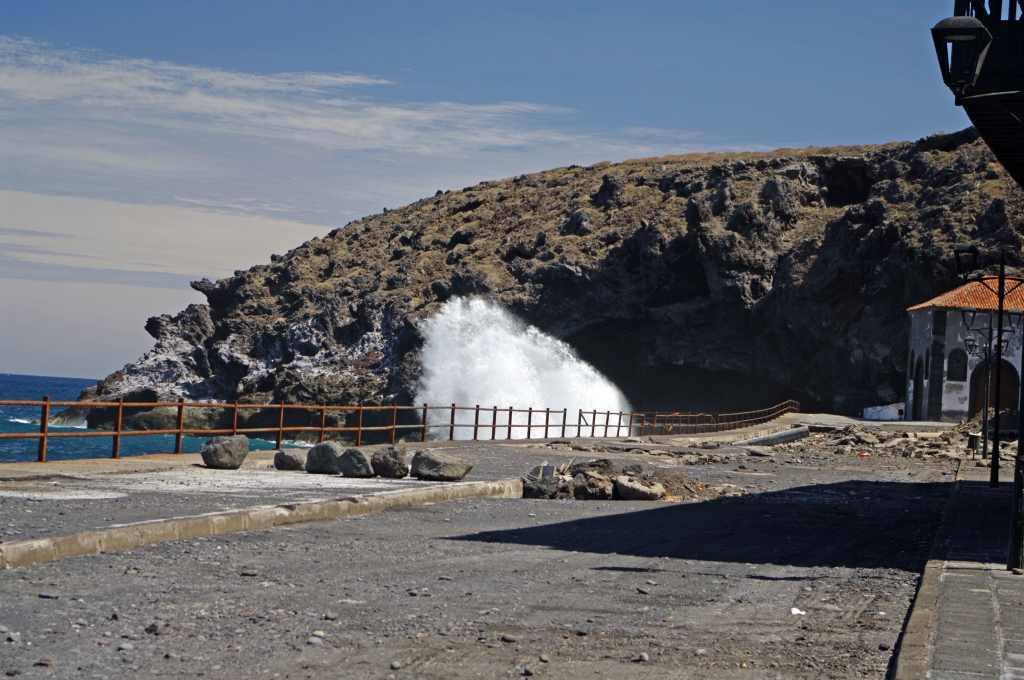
x=696, y=282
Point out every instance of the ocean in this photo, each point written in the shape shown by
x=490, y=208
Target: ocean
x=20, y=419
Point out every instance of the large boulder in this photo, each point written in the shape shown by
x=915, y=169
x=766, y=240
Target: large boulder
x=439, y=467
x=355, y=463
x=590, y=486
x=225, y=453
x=290, y=459
x=601, y=466
x=323, y=458
x=636, y=489
x=390, y=463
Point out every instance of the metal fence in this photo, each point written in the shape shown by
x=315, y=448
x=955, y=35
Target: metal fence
x=485, y=423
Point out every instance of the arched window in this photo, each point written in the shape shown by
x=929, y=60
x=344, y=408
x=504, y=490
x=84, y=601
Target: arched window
x=956, y=366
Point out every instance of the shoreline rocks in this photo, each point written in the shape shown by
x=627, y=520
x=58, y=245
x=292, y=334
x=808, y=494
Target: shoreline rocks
x=435, y=466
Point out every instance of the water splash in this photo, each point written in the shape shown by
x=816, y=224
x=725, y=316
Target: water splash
x=475, y=352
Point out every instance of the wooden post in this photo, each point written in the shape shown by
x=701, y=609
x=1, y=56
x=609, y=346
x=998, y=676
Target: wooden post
x=359, y=427
x=579, y=420
x=529, y=422
x=547, y=421
x=424, y=438
x=618, y=425
x=510, y=422
x=323, y=423
x=593, y=424
x=44, y=428
x=394, y=422
x=116, y=453
x=234, y=419
x=565, y=417
x=451, y=429
x=181, y=425
x=280, y=425
x=494, y=423
x=476, y=422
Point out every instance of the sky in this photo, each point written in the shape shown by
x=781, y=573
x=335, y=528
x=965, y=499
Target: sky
x=148, y=144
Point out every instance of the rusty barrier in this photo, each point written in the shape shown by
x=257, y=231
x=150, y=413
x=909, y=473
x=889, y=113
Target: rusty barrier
x=486, y=423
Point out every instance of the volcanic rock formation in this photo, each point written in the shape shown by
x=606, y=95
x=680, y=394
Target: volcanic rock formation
x=697, y=282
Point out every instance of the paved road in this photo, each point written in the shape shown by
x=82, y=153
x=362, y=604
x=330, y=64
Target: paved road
x=703, y=589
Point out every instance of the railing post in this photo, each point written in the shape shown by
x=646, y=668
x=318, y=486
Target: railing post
x=116, y=453
x=593, y=424
x=529, y=421
x=280, y=424
x=547, y=421
x=359, y=427
x=323, y=423
x=451, y=429
x=510, y=422
x=44, y=428
x=181, y=425
x=424, y=423
x=494, y=423
x=476, y=422
x=234, y=419
x=394, y=422
x=565, y=418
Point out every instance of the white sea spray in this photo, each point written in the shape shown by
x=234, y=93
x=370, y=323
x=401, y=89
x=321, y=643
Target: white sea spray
x=477, y=353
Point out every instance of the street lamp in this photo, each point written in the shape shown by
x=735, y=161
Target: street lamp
x=961, y=44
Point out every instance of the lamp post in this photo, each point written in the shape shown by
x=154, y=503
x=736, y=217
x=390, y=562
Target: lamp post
x=966, y=262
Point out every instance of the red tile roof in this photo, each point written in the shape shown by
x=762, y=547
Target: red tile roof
x=980, y=294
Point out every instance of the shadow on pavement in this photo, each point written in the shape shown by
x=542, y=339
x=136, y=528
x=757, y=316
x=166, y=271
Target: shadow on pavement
x=849, y=524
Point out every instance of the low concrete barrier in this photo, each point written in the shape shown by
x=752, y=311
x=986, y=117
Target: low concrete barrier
x=783, y=437
x=24, y=553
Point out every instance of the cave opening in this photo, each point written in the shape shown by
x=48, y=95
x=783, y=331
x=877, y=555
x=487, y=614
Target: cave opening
x=620, y=350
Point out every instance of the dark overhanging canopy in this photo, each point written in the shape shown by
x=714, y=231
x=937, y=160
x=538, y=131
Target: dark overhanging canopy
x=981, y=52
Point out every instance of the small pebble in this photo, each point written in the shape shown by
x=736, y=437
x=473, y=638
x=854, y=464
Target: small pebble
x=884, y=647
x=49, y=596
x=314, y=641
x=701, y=652
x=249, y=572
x=643, y=591
x=330, y=616
x=544, y=658
x=125, y=647
x=506, y=637
x=318, y=633
x=45, y=661
x=640, y=658
x=527, y=671
x=395, y=665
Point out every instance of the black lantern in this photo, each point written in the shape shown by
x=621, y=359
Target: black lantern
x=966, y=259
x=971, y=343
x=969, y=314
x=1015, y=318
x=961, y=44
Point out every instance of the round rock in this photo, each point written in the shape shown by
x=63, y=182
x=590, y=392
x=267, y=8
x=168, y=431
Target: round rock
x=632, y=489
x=390, y=463
x=225, y=453
x=323, y=458
x=439, y=467
x=355, y=463
x=290, y=459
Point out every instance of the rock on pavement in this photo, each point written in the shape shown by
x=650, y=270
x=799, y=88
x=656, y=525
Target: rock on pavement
x=290, y=459
x=633, y=489
x=323, y=458
x=225, y=453
x=439, y=467
x=355, y=462
x=390, y=463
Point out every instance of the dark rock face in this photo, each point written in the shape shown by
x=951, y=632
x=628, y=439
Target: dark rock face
x=439, y=467
x=225, y=453
x=325, y=458
x=590, y=486
x=390, y=463
x=790, y=269
x=355, y=462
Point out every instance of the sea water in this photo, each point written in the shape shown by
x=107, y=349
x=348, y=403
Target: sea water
x=476, y=352
x=26, y=419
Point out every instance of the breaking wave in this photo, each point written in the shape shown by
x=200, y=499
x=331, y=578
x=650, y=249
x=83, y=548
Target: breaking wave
x=477, y=353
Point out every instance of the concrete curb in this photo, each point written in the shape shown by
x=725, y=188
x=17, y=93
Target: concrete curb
x=913, y=658
x=779, y=437
x=24, y=553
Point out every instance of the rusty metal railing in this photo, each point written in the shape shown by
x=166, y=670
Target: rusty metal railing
x=498, y=423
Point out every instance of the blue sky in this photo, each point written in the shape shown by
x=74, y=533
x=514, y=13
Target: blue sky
x=150, y=143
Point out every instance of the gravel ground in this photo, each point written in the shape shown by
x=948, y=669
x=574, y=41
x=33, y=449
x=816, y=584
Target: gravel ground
x=501, y=588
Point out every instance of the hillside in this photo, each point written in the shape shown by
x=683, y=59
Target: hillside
x=696, y=282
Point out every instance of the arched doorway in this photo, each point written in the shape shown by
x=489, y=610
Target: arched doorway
x=918, y=386
x=1008, y=392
